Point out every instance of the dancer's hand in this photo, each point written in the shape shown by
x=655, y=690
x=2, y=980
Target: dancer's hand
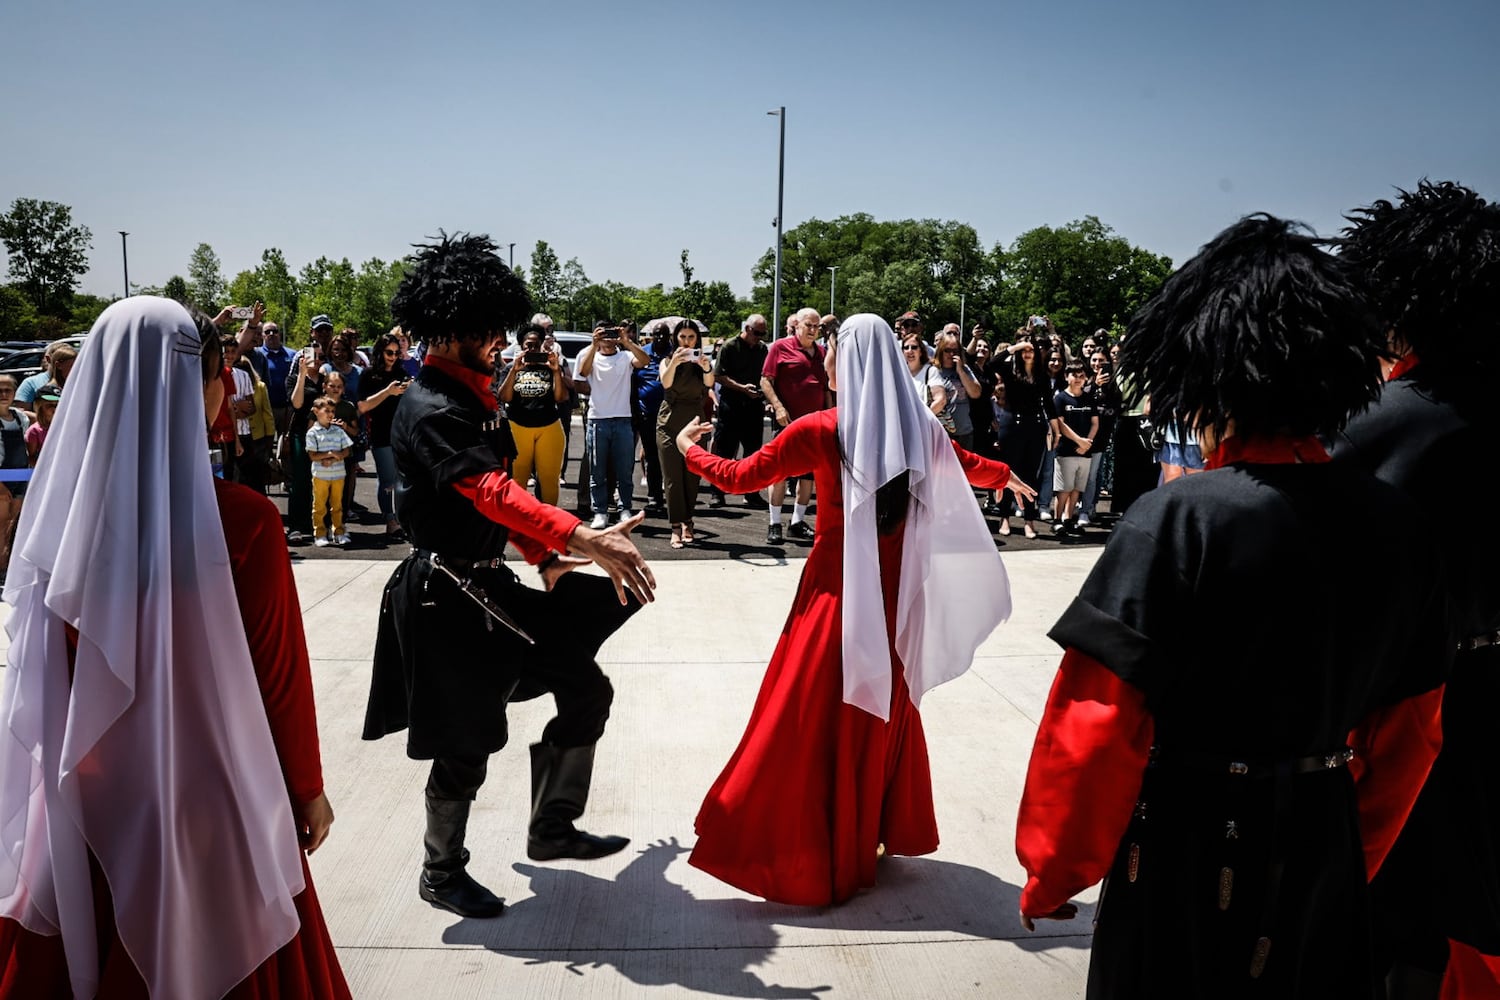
x=560, y=567
x=1067, y=911
x=313, y=820
x=1020, y=490
x=690, y=434
x=617, y=555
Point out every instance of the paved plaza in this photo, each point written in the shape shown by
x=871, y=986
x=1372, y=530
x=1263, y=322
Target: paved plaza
x=644, y=923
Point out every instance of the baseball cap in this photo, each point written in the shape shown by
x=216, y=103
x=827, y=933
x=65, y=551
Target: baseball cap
x=51, y=392
x=908, y=317
x=321, y=319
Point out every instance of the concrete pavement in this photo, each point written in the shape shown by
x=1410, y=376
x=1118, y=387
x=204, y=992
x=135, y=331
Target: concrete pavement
x=644, y=923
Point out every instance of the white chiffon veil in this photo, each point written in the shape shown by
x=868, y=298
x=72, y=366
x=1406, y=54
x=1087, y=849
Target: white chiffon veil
x=953, y=587
x=156, y=754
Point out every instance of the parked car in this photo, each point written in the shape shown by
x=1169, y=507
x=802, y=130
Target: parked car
x=22, y=364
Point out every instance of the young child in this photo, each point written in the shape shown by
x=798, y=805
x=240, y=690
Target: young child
x=46, y=405
x=1076, y=426
x=327, y=447
x=14, y=422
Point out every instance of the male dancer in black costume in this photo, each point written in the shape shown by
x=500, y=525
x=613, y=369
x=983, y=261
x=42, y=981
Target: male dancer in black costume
x=1227, y=658
x=1432, y=263
x=459, y=634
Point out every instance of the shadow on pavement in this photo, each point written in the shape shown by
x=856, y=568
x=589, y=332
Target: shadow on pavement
x=655, y=933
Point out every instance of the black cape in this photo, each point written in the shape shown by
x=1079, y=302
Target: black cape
x=1246, y=603
x=1444, y=871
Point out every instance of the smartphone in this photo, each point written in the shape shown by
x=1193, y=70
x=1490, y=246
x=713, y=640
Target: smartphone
x=695, y=353
x=535, y=358
x=612, y=333
x=243, y=312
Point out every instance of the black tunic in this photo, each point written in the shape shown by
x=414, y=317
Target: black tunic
x=444, y=670
x=1444, y=871
x=1245, y=603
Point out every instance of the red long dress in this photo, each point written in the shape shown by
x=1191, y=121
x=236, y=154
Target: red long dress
x=33, y=966
x=816, y=784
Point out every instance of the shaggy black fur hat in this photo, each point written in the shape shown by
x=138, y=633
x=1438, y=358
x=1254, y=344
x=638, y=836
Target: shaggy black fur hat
x=458, y=288
x=1262, y=326
x=1431, y=262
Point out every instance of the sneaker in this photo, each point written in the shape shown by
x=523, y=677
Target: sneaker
x=1046, y=515
x=626, y=515
x=1083, y=521
x=320, y=542
x=801, y=530
x=341, y=539
x=757, y=502
x=774, y=536
x=600, y=522
x=1059, y=529
x=296, y=538
x=716, y=500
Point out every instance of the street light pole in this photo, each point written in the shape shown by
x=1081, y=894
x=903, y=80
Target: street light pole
x=961, y=298
x=512, y=256
x=780, y=190
x=125, y=261
x=833, y=284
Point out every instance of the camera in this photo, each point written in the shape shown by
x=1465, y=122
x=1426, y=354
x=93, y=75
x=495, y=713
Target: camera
x=611, y=333
x=535, y=359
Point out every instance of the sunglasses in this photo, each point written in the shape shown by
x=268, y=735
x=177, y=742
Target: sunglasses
x=392, y=353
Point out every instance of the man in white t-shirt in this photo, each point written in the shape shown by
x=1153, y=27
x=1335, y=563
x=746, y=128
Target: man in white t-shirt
x=605, y=366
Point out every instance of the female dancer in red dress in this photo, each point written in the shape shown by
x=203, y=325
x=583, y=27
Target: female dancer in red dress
x=833, y=763
x=157, y=769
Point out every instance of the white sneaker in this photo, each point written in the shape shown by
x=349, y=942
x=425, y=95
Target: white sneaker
x=1083, y=519
x=1046, y=515
x=600, y=522
x=341, y=539
x=626, y=515
x=321, y=542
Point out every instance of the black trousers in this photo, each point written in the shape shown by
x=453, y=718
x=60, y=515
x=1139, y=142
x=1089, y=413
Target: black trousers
x=1136, y=470
x=645, y=439
x=1025, y=448
x=738, y=436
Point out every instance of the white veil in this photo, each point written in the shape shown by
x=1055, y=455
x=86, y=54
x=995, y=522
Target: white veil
x=953, y=589
x=156, y=755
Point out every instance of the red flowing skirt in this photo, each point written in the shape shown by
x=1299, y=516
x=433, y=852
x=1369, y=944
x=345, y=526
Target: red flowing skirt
x=816, y=785
x=34, y=967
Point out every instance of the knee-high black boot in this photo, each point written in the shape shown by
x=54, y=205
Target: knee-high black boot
x=444, y=881
x=559, y=792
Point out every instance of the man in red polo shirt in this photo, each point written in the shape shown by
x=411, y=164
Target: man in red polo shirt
x=795, y=384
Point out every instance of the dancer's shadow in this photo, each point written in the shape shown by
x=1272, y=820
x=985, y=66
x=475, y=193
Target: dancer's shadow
x=655, y=933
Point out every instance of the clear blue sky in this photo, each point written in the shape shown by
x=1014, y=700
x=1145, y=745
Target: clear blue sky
x=622, y=133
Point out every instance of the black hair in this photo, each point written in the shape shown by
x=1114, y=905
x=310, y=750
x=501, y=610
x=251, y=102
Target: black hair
x=1431, y=262
x=458, y=289
x=1073, y=367
x=891, y=502
x=685, y=324
x=1041, y=348
x=377, y=353
x=1261, y=327
x=210, y=348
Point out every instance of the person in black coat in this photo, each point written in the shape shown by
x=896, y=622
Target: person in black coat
x=1432, y=262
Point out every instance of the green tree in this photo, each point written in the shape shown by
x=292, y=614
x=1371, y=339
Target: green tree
x=325, y=286
x=48, y=254
x=546, y=277
x=176, y=288
x=17, y=314
x=573, y=282
x=370, y=310
x=206, y=284
x=272, y=283
x=85, y=310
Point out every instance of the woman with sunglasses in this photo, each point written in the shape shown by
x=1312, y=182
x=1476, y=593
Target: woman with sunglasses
x=384, y=384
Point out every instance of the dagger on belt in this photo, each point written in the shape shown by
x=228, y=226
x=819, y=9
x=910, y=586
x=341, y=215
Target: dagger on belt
x=479, y=597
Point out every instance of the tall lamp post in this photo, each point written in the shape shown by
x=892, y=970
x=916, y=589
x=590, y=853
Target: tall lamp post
x=961, y=297
x=833, y=284
x=780, y=189
x=512, y=256
x=125, y=261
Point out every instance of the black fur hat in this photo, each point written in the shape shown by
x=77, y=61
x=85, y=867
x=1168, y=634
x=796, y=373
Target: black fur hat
x=1263, y=327
x=458, y=288
x=1431, y=263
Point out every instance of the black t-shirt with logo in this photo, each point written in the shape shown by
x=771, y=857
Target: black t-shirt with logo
x=533, y=402
x=1078, y=412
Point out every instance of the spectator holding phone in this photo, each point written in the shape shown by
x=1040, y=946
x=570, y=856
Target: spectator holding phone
x=384, y=384
x=606, y=366
x=686, y=378
x=304, y=386
x=532, y=389
x=1105, y=393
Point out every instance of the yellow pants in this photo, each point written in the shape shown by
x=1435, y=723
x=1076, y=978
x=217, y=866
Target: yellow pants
x=328, y=493
x=539, y=450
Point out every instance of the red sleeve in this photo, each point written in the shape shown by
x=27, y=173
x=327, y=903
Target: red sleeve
x=536, y=528
x=768, y=366
x=985, y=473
x=790, y=453
x=1393, y=750
x=1081, y=787
x=272, y=616
x=223, y=425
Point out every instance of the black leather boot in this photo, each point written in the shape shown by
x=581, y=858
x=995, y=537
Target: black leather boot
x=444, y=881
x=559, y=791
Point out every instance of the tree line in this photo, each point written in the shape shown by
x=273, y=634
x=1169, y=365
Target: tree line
x=1082, y=274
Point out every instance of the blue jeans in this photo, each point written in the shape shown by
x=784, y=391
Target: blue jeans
x=1049, y=472
x=611, y=445
x=385, y=476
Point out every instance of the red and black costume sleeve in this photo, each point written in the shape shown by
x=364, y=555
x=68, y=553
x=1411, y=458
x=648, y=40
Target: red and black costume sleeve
x=536, y=528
